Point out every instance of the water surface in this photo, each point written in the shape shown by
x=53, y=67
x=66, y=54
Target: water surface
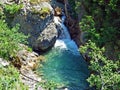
x=64, y=67
x=64, y=64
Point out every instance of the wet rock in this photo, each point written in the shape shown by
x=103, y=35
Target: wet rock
x=74, y=30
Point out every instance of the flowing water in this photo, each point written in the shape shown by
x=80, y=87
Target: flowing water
x=64, y=64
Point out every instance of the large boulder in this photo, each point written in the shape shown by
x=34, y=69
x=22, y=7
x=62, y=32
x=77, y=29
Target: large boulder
x=37, y=22
x=46, y=38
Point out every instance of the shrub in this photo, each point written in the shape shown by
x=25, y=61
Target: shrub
x=9, y=40
x=44, y=12
x=106, y=26
x=11, y=10
x=49, y=85
x=105, y=74
x=10, y=79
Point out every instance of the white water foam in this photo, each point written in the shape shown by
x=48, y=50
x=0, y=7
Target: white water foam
x=65, y=42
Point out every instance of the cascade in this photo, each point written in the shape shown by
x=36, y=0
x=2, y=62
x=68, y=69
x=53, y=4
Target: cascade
x=64, y=64
x=64, y=41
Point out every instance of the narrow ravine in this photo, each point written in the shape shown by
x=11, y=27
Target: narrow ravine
x=64, y=64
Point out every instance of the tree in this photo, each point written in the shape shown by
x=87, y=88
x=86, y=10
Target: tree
x=105, y=74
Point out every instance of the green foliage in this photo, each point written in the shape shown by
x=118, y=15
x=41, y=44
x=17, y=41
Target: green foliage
x=35, y=1
x=1, y=12
x=42, y=13
x=105, y=75
x=105, y=14
x=10, y=40
x=12, y=9
x=49, y=85
x=75, y=7
x=101, y=23
x=10, y=79
x=87, y=24
x=38, y=1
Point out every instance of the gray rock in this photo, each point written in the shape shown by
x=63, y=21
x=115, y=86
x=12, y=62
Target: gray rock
x=8, y=1
x=3, y=62
x=41, y=29
x=3, y=1
x=30, y=79
x=46, y=38
x=29, y=62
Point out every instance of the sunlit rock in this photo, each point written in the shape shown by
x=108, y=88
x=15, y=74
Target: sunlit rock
x=37, y=22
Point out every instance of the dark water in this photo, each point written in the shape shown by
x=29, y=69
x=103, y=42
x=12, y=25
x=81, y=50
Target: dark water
x=64, y=67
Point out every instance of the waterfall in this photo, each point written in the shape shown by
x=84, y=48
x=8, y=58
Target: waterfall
x=64, y=40
x=63, y=63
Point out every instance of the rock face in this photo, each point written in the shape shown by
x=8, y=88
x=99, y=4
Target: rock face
x=37, y=22
x=61, y=1
x=74, y=30
x=26, y=62
x=46, y=38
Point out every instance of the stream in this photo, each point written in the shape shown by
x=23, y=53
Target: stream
x=64, y=64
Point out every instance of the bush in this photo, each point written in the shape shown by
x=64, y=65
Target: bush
x=105, y=74
x=105, y=14
x=11, y=10
x=49, y=85
x=10, y=79
x=9, y=40
x=87, y=24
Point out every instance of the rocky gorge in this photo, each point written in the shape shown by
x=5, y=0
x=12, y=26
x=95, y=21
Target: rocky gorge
x=37, y=21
